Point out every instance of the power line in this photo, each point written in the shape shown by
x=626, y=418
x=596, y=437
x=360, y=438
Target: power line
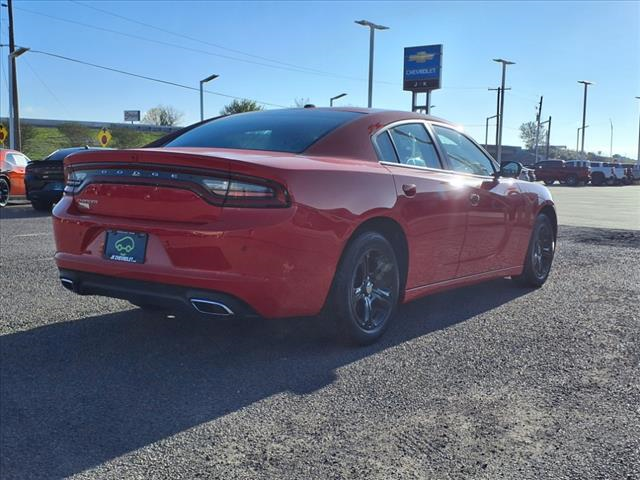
x=191, y=49
x=55, y=97
x=194, y=39
x=144, y=77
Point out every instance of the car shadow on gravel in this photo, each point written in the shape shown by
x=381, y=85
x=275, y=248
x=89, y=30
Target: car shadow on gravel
x=76, y=394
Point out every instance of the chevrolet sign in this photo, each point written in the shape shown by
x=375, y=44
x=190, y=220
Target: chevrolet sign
x=422, y=68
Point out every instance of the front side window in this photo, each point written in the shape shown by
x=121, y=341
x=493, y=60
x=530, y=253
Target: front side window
x=464, y=156
x=414, y=146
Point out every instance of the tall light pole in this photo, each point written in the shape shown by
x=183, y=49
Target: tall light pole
x=501, y=114
x=372, y=28
x=584, y=112
x=202, y=82
x=14, y=121
x=335, y=98
x=638, y=137
x=611, y=141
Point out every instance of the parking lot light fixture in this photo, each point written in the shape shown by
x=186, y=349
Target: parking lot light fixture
x=335, y=98
x=501, y=114
x=372, y=28
x=202, y=82
x=638, y=160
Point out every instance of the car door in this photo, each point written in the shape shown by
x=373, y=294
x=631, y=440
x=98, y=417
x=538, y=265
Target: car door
x=431, y=204
x=492, y=205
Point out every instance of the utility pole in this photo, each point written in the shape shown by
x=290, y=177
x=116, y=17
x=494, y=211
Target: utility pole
x=584, y=112
x=497, y=115
x=501, y=114
x=538, y=114
x=548, y=136
x=14, y=110
x=372, y=28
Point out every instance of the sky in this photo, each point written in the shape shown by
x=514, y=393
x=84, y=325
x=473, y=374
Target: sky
x=275, y=52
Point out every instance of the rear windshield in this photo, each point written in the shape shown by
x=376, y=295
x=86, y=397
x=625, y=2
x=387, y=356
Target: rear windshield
x=290, y=131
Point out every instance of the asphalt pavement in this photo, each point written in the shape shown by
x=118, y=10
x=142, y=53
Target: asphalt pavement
x=491, y=381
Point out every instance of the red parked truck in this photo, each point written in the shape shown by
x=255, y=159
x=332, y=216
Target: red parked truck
x=570, y=173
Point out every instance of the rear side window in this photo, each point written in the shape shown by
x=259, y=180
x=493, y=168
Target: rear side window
x=290, y=130
x=414, y=146
x=386, y=152
x=17, y=160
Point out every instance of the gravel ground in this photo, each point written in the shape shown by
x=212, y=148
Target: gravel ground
x=490, y=381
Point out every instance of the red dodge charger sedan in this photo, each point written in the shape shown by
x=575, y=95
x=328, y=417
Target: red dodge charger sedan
x=293, y=212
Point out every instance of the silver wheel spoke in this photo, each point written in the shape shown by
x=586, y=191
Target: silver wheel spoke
x=367, y=310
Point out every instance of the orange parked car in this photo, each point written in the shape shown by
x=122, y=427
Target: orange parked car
x=12, y=164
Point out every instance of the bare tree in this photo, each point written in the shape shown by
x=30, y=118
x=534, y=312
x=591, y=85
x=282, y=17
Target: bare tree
x=301, y=102
x=162, y=115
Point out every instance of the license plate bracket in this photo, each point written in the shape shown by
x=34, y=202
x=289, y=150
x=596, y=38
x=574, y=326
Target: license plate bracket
x=127, y=247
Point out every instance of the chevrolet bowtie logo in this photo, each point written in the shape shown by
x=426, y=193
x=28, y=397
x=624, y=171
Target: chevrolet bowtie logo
x=421, y=57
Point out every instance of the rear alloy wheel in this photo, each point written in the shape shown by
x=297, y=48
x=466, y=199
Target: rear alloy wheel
x=366, y=288
x=572, y=180
x=4, y=192
x=540, y=253
x=548, y=182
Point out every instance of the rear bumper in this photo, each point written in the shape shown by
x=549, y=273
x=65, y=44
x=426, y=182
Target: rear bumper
x=43, y=191
x=171, y=297
x=264, y=259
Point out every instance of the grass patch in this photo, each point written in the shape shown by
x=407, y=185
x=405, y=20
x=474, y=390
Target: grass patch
x=41, y=141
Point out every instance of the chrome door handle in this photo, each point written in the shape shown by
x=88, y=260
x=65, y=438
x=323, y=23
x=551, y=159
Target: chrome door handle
x=474, y=199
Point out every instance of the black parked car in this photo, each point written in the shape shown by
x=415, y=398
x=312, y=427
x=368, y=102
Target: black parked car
x=44, y=179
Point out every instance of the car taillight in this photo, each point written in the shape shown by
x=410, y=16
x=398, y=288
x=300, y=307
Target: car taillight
x=226, y=190
x=240, y=193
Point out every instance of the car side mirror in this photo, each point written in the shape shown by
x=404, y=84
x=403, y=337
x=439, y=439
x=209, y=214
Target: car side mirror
x=510, y=169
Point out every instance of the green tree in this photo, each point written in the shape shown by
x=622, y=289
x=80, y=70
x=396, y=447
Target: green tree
x=76, y=134
x=528, y=135
x=162, y=115
x=240, y=106
x=126, y=138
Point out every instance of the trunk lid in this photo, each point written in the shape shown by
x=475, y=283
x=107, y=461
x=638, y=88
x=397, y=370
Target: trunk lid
x=159, y=184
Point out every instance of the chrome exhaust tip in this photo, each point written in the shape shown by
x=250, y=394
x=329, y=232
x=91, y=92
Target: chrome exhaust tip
x=68, y=284
x=209, y=307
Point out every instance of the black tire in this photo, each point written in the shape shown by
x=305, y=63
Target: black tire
x=366, y=288
x=41, y=206
x=572, y=180
x=548, y=182
x=540, y=252
x=5, y=191
x=597, y=179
